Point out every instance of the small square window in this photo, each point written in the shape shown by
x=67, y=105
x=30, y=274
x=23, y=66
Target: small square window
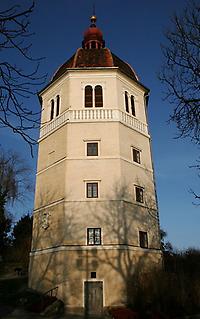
x=136, y=155
x=143, y=239
x=94, y=236
x=92, y=190
x=93, y=274
x=139, y=194
x=92, y=149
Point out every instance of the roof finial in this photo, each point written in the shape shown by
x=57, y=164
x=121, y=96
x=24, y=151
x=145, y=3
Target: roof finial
x=93, y=18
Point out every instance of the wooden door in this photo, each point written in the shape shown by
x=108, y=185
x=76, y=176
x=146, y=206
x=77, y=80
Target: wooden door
x=93, y=297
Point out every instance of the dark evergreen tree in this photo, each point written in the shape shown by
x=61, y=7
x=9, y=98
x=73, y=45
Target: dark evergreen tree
x=15, y=183
x=22, y=234
x=5, y=225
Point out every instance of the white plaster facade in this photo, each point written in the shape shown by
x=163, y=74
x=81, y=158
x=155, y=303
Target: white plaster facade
x=61, y=256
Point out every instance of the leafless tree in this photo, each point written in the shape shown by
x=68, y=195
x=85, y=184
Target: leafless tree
x=16, y=84
x=15, y=181
x=180, y=72
x=15, y=184
x=194, y=193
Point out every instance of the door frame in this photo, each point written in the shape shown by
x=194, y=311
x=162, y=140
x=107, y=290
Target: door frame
x=93, y=280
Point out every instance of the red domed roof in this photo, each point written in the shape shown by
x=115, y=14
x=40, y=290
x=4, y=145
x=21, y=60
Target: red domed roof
x=93, y=37
x=93, y=33
x=95, y=58
x=93, y=54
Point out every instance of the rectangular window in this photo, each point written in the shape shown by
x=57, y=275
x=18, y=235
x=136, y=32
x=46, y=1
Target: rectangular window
x=92, y=149
x=136, y=155
x=143, y=239
x=139, y=194
x=94, y=236
x=92, y=190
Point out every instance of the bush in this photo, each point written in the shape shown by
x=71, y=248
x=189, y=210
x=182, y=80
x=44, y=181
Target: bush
x=173, y=292
x=34, y=301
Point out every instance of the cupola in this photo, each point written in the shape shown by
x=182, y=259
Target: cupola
x=94, y=54
x=93, y=37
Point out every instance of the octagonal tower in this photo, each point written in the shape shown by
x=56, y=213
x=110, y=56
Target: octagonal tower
x=95, y=218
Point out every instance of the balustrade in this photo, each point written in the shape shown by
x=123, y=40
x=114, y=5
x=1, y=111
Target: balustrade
x=93, y=115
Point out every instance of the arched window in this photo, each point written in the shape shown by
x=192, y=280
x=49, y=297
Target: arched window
x=93, y=45
x=57, y=105
x=132, y=105
x=126, y=102
x=98, y=96
x=52, y=110
x=88, y=96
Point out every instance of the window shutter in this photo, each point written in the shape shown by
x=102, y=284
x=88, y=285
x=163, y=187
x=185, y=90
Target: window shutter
x=57, y=105
x=95, y=190
x=139, y=194
x=132, y=105
x=98, y=96
x=126, y=102
x=90, y=236
x=88, y=96
x=97, y=236
x=136, y=155
x=52, y=110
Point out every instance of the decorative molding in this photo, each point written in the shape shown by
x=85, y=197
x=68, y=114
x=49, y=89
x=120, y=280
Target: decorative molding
x=95, y=248
x=47, y=206
x=52, y=165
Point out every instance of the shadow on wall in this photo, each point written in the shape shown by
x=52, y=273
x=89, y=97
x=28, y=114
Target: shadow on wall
x=119, y=261
x=121, y=255
x=48, y=269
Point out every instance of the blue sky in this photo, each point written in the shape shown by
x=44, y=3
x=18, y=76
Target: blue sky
x=133, y=30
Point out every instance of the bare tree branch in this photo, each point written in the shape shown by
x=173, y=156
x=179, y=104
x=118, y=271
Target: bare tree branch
x=197, y=197
x=15, y=181
x=17, y=85
x=180, y=72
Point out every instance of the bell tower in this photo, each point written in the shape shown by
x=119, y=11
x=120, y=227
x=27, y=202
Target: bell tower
x=95, y=218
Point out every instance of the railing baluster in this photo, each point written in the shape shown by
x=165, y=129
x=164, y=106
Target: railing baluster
x=93, y=115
